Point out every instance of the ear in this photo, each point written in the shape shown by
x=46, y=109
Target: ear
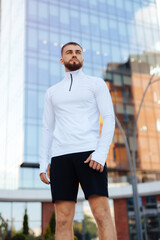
x=61, y=61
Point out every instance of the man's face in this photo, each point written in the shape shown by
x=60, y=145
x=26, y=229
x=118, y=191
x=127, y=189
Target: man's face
x=72, y=57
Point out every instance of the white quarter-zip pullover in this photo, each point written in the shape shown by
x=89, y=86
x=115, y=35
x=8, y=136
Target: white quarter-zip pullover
x=71, y=118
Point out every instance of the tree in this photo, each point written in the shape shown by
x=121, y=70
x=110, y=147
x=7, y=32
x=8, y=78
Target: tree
x=52, y=223
x=50, y=230
x=25, y=223
x=90, y=228
x=3, y=227
x=48, y=235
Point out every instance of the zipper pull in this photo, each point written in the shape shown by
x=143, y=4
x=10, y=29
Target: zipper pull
x=71, y=82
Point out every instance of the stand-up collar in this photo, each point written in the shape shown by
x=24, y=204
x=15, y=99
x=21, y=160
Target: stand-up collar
x=76, y=73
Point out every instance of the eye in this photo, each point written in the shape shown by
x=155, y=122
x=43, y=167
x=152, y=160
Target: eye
x=78, y=52
x=69, y=52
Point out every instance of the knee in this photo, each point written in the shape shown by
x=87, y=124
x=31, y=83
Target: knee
x=101, y=215
x=63, y=220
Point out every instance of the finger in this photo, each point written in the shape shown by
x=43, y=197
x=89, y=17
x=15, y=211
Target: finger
x=101, y=168
x=48, y=171
x=44, y=179
x=88, y=159
x=91, y=163
x=98, y=167
x=95, y=165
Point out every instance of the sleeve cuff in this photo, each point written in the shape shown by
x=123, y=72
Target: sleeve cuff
x=99, y=157
x=43, y=168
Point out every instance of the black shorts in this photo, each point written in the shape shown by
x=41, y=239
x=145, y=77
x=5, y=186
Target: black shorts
x=68, y=170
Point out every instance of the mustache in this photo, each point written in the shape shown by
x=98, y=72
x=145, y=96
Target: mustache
x=74, y=58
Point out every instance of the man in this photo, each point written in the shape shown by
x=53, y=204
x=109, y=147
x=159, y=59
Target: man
x=71, y=135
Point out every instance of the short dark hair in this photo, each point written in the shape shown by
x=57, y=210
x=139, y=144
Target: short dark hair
x=70, y=43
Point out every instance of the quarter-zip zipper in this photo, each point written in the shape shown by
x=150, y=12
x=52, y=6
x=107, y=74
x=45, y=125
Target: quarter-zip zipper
x=71, y=82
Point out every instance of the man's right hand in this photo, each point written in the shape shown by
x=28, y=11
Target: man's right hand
x=43, y=176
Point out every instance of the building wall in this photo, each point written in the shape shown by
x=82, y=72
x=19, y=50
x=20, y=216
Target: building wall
x=11, y=91
x=47, y=210
x=125, y=217
x=128, y=82
x=148, y=130
x=121, y=219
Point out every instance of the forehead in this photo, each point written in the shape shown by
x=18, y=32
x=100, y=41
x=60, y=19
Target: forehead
x=72, y=47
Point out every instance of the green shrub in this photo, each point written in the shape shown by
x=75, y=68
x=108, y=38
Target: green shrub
x=18, y=236
x=38, y=238
x=30, y=237
x=48, y=235
x=75, y=238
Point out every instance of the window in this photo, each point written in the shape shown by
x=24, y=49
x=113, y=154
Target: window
x=54, y=16
x=84, y=18
x=55, y=72
x=75, y=21
x=64, y=17
x=31, y=72
x=115, y=53
x=122, y=32
x=129, y=9
x=31, y=103
x=43, y=72
x=96, y=52
x=32, y=142
x=104, y=27
x=43, y=41
x=113, y=30
x=43, y=15
x=32, y=10
x=32, y=39
x=94, y=25
x=126, y=80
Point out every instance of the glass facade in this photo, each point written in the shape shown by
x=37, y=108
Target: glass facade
x=14, y=218
x=150, y=217
x=110, y=31
x=128, y=82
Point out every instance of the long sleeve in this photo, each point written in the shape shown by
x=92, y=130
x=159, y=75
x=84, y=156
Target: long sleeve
x=105, y=107
x=47, y=134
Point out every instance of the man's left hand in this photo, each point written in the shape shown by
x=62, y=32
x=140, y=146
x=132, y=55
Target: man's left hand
x=93, y=164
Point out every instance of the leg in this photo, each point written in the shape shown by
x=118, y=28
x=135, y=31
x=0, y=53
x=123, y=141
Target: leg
x=65, y=211
x=101, y=212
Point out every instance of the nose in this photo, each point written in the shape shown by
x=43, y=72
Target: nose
x=74, y=55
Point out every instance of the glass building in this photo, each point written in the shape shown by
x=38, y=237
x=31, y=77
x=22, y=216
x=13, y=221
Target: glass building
x=128, y=81
x=32, y=33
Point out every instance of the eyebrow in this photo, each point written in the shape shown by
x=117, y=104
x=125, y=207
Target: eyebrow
x=70, y=50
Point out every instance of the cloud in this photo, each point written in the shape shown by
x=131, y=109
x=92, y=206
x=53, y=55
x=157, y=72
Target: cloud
x=147, y=37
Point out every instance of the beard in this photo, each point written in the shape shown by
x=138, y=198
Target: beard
x=74, y=65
